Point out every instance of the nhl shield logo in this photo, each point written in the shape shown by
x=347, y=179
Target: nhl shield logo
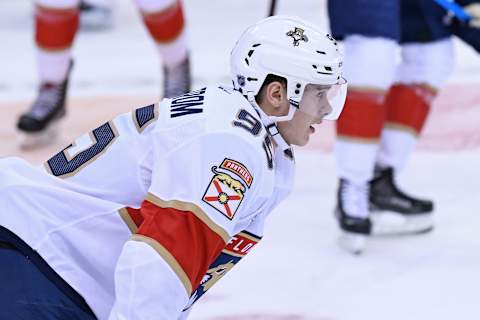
x=297, y=35
x=224, y=193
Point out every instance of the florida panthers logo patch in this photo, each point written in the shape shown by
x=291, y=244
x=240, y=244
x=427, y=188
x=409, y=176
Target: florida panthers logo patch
x=225, y=193
x=298, y=35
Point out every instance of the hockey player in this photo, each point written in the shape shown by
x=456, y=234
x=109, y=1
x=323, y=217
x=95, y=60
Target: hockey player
x=140, y=217
x=56, y=24
x=386, y=108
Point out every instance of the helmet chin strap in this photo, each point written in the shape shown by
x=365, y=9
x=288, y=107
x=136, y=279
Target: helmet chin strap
x=270, y=122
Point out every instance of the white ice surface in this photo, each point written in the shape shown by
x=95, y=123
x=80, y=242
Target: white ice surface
x=297, y=272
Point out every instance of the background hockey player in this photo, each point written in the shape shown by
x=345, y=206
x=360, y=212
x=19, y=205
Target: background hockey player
x=386, y=109
x=56, y=24
x=140, y=217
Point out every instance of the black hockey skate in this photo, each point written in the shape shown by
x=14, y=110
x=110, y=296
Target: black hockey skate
x=353, y=215
x=393, y=211
x=38, y=125
x=177, y=80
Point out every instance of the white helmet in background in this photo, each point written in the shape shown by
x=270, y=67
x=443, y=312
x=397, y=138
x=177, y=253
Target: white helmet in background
x=293, y=49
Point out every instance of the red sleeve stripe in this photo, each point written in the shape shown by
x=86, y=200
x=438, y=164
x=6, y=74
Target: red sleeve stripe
x=188, y=206
x=128, y=220
x=191, y=244
x=240, y=244
x=169, y=259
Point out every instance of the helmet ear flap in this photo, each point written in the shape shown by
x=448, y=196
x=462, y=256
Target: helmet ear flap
x=295, y=88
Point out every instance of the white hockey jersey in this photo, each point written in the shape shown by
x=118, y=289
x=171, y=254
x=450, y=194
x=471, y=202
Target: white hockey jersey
x=145, y=213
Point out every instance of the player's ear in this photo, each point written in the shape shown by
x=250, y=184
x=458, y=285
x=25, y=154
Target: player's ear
x=276, y=94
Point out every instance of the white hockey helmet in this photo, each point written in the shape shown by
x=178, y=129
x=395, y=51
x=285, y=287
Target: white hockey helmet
x=294, y=49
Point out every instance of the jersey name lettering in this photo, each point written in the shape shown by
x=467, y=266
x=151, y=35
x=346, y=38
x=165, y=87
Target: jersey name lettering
x=187, y=103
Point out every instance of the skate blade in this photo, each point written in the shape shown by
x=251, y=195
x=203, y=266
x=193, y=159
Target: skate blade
x=352, y=242
x=386, y=223
x=37, y=140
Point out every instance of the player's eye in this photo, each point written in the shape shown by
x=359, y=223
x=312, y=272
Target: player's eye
x=321, y=93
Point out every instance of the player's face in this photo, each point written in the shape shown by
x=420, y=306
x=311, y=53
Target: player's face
x=313, y=107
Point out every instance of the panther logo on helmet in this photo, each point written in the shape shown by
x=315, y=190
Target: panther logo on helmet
x=297, y=35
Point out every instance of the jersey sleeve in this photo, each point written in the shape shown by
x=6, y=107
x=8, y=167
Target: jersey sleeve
x=237, y=248
x=201, y=192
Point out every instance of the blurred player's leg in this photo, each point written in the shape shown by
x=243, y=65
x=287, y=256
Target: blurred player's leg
x=424, y=69
x=426, y=64
x=96, y=14
x=56, y=23
x=359, y=128
x=166, y=23
x=370, y=50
